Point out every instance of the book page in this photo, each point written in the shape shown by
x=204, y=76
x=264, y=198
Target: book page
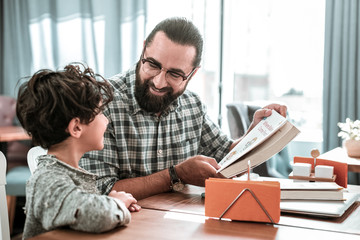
x=263, y=130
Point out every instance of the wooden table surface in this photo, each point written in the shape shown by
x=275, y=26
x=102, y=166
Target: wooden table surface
x=13, y=133
x=155, y=224
x=9, y=134
x=181, y=216
x=190, y=201
x=339, y=154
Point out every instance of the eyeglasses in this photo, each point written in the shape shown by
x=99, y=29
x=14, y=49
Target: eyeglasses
x=172, y=77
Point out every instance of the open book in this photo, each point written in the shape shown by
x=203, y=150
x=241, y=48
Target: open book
x=266, y=139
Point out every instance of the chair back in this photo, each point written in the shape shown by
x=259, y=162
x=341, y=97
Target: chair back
x=32, y=155
x=4, y=218
x=240, y=116
x=7, y=110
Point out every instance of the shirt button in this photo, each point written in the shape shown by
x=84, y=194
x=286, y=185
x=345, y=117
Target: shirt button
x=159, y=152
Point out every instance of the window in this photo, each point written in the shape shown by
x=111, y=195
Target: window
x=206, y=16
x=269, y=50
x=272, y=52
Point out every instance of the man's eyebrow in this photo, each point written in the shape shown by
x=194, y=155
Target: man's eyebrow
x=176, y=70
x=154, y=61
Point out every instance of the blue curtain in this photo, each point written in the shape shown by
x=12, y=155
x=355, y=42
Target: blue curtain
x=16, y=55
x=341, y=70
x=105, y=34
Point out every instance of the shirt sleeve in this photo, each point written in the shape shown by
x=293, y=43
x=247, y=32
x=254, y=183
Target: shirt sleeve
x=214, y=143
x=59, y=202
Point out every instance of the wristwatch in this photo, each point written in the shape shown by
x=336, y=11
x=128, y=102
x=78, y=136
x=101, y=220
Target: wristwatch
x=176, y=184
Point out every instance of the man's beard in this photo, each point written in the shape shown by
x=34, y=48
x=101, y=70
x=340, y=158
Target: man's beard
x=150, y=102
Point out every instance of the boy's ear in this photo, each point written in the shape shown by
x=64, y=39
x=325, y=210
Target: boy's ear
x=75, y=128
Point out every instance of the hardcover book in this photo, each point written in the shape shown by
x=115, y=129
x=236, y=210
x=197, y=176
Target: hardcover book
x=266, y=139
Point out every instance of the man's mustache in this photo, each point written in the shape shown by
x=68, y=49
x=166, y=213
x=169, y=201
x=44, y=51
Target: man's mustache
x=164, y=89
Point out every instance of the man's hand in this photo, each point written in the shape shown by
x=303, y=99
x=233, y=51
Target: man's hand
x=196, y=169
x=259, y=115
x=266, y=111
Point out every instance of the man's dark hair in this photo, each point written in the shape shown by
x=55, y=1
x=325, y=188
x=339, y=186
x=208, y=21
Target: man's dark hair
x=181, y=31
x=50, y=99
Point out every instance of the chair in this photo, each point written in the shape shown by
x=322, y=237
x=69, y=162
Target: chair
x=240, y=116
x=4, y=218
x=16, y=180
x=17, y=150
x=32, y=155
x=18, y=171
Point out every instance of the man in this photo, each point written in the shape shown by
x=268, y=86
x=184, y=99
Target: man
x=159, y=136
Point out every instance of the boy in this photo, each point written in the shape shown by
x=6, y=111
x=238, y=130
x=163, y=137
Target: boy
x=62, y=111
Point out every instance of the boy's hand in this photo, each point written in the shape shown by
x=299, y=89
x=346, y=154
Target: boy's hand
x=134, y=207
x=127, y=198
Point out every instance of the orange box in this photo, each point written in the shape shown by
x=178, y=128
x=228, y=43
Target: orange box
x=221, y=193
x=340, y=169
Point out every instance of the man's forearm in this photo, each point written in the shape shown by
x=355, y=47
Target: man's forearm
x=142, y=187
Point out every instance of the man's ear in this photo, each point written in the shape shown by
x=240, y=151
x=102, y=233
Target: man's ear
x=75, y=128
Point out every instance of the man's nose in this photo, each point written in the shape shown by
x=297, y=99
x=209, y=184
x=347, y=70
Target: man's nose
x=160, y=79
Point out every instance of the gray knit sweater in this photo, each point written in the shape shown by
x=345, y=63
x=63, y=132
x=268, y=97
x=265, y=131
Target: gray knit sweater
x=58, y=195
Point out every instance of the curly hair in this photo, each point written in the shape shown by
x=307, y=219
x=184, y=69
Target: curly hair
x=50, y=99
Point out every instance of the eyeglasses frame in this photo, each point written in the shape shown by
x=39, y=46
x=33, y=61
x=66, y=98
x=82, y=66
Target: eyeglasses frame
x=143, y=60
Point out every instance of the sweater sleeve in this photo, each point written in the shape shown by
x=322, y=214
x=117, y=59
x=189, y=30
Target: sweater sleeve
x=60, y=202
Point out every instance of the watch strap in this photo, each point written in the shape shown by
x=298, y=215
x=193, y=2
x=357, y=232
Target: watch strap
x=175, y=184
x=173, y=176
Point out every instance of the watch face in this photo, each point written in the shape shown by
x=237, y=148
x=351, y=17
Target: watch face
x=178, y=186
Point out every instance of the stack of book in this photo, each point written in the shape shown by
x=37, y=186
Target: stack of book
x=291, y=190
x=325, y=199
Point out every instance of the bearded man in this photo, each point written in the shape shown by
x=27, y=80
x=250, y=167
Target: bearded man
x=159, y=135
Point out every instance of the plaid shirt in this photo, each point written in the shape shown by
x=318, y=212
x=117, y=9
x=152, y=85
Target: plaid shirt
x=138, y=143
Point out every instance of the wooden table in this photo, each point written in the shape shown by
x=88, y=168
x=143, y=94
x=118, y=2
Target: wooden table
x=11, y=133
x=181, y=216
x=339, y=154
x=154, y=224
